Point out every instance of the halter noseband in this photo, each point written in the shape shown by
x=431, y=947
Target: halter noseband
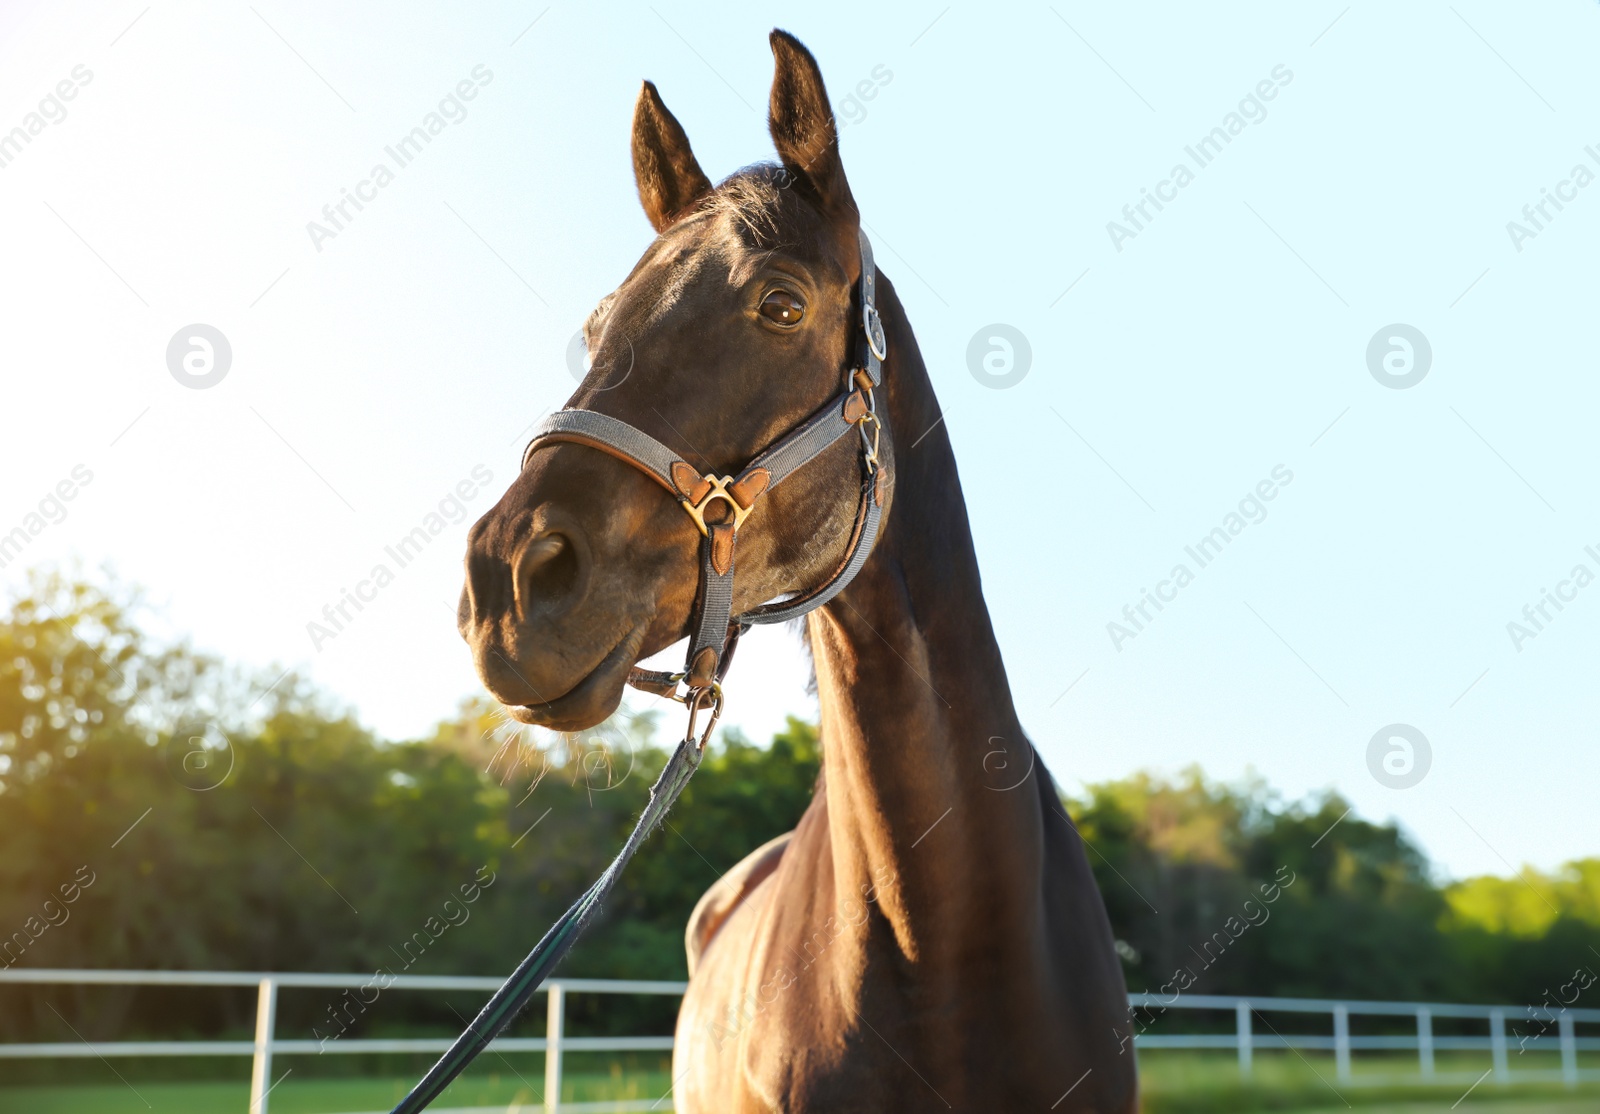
x=716, y=629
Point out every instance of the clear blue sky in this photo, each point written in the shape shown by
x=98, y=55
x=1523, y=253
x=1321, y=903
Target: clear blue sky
x=1171, y=370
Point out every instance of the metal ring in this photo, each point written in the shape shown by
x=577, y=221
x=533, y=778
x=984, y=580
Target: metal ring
x=876, y=341
x=718, y=490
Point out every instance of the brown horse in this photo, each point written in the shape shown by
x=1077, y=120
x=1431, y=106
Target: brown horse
x=929, y=937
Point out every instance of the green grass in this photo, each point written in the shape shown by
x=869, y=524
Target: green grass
x=1485, y=1106
x=520, y=1086
x=1173, y=1083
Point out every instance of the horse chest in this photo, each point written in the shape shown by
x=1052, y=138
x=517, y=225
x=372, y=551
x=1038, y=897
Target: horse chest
x=816, y=1009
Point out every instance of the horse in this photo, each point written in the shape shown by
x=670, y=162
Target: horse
x=929, y=936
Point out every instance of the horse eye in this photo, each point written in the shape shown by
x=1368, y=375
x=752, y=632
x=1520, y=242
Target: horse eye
x=782, y=308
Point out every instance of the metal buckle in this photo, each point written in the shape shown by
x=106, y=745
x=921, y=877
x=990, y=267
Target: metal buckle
x=681, y=698
x=719, y=490
x=876, y=341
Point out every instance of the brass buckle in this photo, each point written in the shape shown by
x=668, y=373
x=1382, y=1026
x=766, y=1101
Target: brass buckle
x=675, y=695
x=719, y=490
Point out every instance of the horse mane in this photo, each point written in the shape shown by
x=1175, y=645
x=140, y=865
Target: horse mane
x=752, y=199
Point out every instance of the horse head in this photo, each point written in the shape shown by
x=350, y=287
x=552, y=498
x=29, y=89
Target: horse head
x=738, y=322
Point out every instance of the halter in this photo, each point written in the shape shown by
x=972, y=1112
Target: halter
x=716, y=629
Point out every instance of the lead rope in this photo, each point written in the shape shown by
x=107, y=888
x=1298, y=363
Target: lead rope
x=524, y=982
x=703, y=684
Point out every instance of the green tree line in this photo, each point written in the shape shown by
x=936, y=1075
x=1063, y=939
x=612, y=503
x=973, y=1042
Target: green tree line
x=1258, y=896
x=160, y=809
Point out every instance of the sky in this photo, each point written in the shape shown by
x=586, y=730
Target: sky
x=1352, y=333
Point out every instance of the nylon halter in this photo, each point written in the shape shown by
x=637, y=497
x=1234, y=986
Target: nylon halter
x=715, y=630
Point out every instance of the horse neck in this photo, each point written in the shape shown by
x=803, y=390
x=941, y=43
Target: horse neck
x=924, y=753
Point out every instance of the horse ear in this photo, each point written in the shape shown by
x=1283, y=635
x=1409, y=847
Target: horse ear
x=803, y=127
x=669, y=178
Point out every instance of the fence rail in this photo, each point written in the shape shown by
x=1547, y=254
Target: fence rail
x=555, y=1043
x=1342, y=1044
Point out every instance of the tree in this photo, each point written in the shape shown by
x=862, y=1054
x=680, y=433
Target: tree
x=161, y=810
x=1257, y=897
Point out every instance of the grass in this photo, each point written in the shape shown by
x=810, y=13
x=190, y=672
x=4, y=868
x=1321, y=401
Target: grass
x=312, y=1097
x=517, y=1084
x=1490, y=1106
x=1173, y=1083
x=1176, y=1082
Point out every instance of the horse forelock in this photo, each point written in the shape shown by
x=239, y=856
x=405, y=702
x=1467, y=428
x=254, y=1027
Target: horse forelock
x=740, y=224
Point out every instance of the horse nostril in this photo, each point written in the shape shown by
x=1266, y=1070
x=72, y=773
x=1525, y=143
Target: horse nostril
x=544, y=572
x=487, y=592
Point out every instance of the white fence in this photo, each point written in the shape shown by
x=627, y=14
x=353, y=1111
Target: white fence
x=1536, y=1036
x=1244, y=1039
x=261, y=1050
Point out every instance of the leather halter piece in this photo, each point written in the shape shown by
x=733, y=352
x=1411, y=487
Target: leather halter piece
x=715, y=630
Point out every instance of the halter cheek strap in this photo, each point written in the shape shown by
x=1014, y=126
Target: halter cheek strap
x=719, y=505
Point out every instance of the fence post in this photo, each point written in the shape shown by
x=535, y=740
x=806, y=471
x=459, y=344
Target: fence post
x=1341, y=1042
x=1425, y=1041
x=1569, y=1050
x=554, y=1025
x=1497, y=1045
x=1246, y=1041
x=261, y=1063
